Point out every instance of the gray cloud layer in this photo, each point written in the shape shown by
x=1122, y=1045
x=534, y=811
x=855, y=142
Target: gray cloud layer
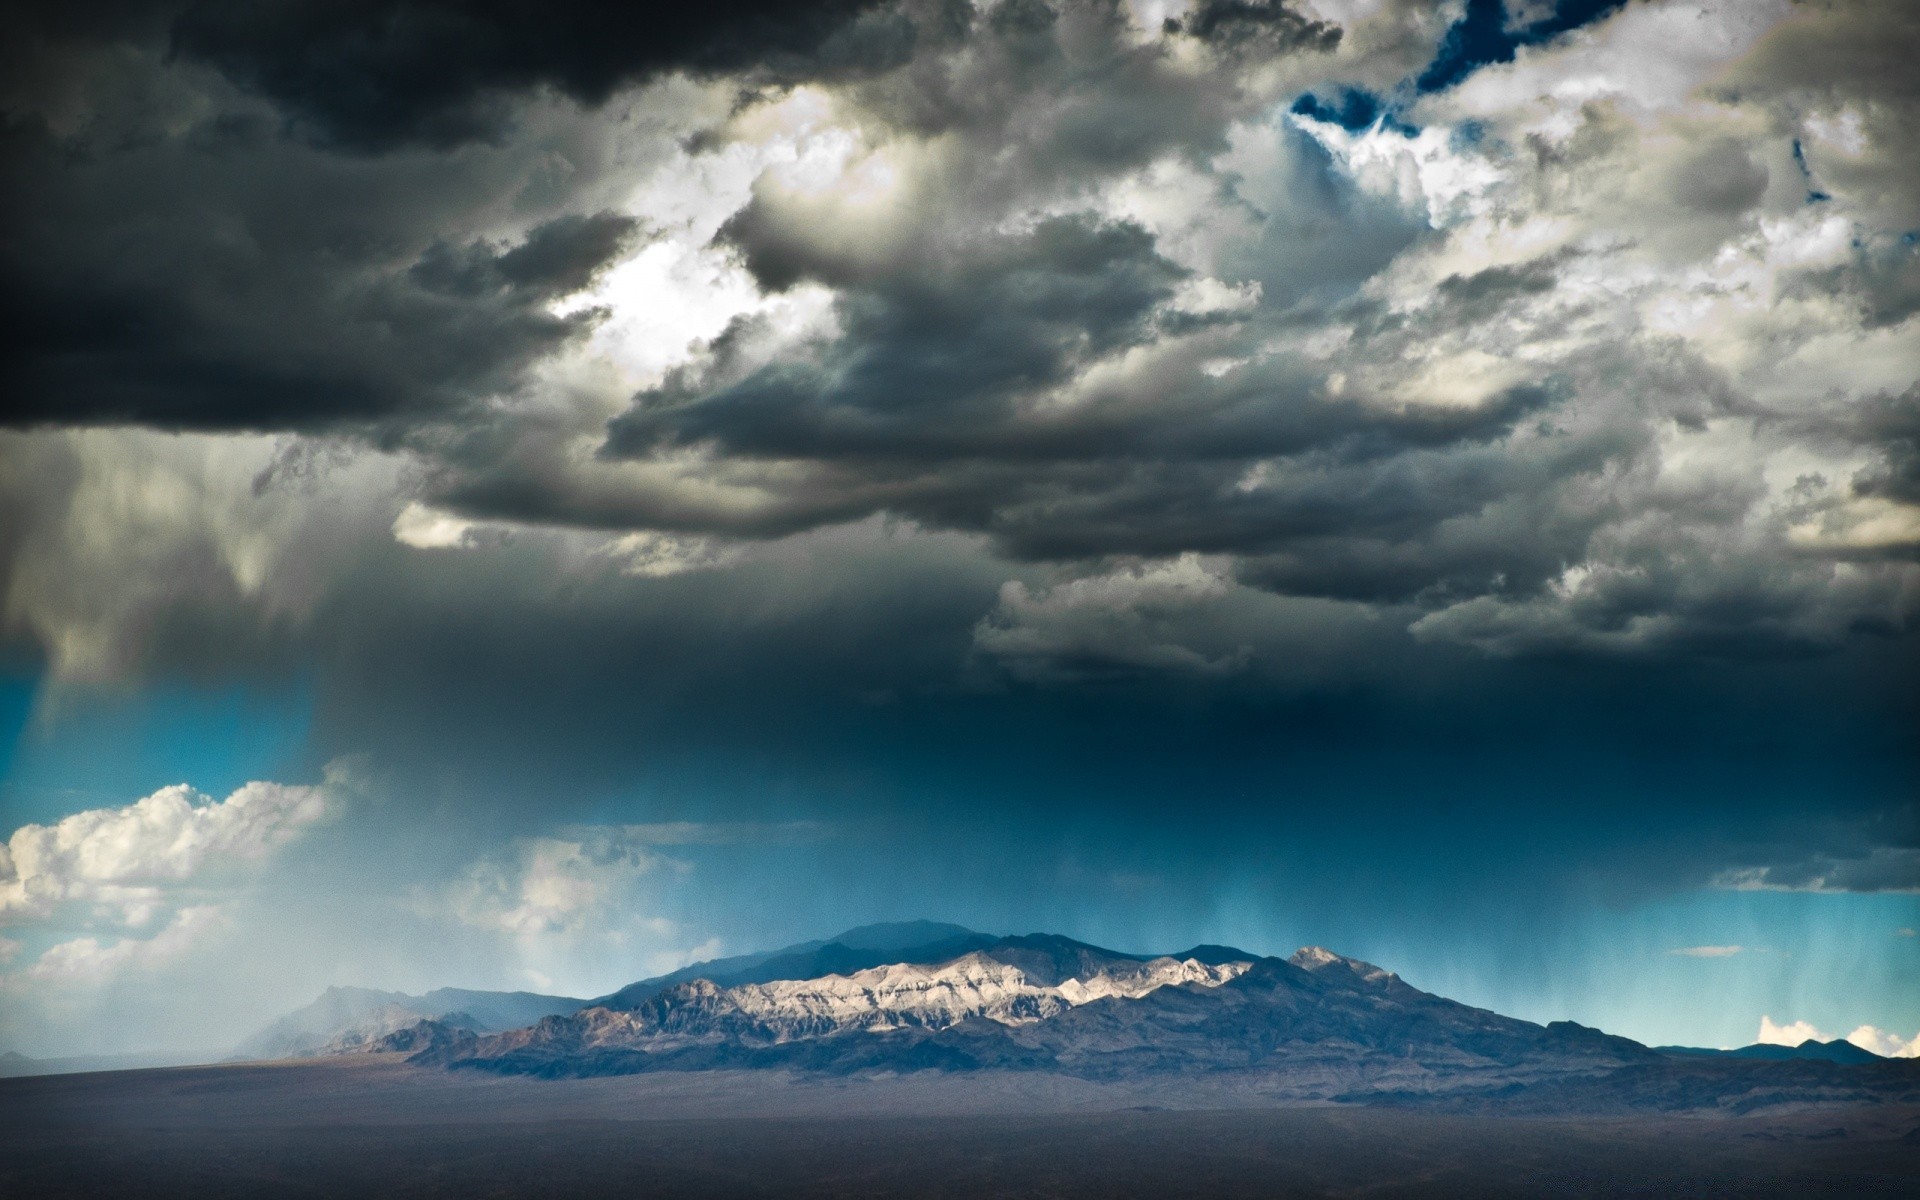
x=1622, y=365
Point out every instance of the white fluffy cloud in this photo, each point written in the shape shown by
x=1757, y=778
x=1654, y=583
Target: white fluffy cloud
x=1867, y=1037
x=127, y=865
x=1790, y=1034
x=145, y=896
x=1886, y=1045
x=89, y=960
x=557, y=886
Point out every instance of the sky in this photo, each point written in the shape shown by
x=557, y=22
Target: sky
x=510, y=496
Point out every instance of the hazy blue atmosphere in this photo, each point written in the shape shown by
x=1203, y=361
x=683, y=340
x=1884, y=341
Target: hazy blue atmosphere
x=1436, y=481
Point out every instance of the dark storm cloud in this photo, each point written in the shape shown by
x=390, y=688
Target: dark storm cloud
x=950, y=364
x=1880, y=869
x=1255, y=27
x=932, y=353
x=957, y=322
x=174, y=261
x=952, y=342
x=557, y=259
x=181, y=264
x=171, y=262
x=1892, y=424
x=373, y=74
x=285, y=312
x=1876, y=851
x=1091, y=293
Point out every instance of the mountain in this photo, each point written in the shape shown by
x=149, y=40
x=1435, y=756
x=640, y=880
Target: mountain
x=14, y=1064
x=1318, y=1025
x=1838, y=1050
x=1016, y=983
x=350, y=1018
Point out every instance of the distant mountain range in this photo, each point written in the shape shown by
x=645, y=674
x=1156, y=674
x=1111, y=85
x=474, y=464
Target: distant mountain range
x=13, y=1064
x=920, y=995
x=349, y=1018
x=1813, y=1050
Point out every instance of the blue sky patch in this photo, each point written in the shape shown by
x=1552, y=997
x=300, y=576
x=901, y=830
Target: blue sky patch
x=1485, y=35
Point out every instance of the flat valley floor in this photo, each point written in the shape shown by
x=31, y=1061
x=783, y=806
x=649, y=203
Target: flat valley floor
x=376, y=1127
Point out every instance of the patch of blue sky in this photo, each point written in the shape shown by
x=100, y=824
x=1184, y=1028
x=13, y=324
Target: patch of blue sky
x=1628, y=969
x=1488, y=33
x=1814, y=194
x=64, y=753
x=1353, y=109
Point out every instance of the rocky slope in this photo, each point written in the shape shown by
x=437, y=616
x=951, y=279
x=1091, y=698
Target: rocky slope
x=981, y=985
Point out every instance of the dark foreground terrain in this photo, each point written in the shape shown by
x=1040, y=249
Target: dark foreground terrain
x=376, y=1127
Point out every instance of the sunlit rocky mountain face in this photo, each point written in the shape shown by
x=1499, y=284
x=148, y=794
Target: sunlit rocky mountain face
x=921, y=996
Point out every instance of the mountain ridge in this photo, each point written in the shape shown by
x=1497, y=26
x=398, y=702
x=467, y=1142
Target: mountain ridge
x=1320, y=1023
x=1316, y=1026
x=1837, y=1050
x=346, y=1018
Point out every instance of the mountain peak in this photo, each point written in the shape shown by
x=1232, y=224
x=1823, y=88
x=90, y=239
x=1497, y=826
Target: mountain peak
x=1319, y=958
x=1213, y=954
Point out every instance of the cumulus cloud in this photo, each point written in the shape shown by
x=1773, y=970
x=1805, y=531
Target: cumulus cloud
x=556, y=886
x=1886, y=1045
x=88, y=960
x=1867, y=1037
x=140, y=896
x=126, y=866
x=591, y=879
x=1791, y=1034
